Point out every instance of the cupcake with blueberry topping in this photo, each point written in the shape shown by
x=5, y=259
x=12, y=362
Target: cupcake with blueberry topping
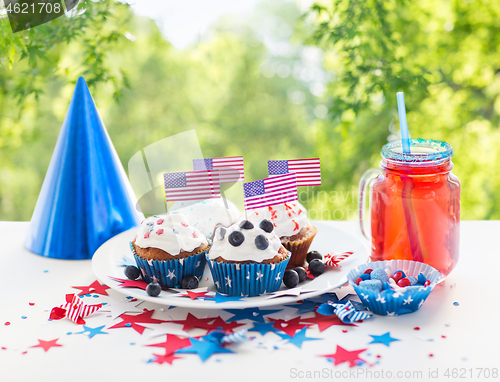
x=166, y=248
x=247, y=259
x=292, y=226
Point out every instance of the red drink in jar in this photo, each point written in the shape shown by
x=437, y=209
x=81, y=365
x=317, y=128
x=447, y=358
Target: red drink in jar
x=414, y=205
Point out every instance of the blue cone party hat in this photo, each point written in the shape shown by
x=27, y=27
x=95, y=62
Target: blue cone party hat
x=86, y=197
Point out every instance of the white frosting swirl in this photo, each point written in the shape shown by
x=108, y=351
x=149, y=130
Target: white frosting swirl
x=170, y=233
x=205, y=215
x=288, y=218
x=246, y=251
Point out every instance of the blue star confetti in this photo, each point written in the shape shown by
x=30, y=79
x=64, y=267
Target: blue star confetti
x=264, y=328
x=218, y=298
x=299, y=339
x=92, y=331
x=254, y=314
x=203, y=348
x=305, y=307
x=385, y=339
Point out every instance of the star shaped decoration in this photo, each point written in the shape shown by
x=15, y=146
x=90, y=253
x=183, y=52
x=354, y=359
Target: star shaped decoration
x=253, y=314
x=172, y=343
x=259, y=275
x=286, y=292
x=407, y=300
x=344, y=291
x=125, y=283
x=324, y=322
x=46, y=345
x=299, y=338
x=192, y=321
x=228, y=281
x=278, y=277
x=203, y=348
x=342, y=355
x=381, y=299
x=385, y=339
x=263, y=328
x=92, y=331
x=130, y=320
x=220, y=324
x=164, y=358
x=290, y=327
x=325, y=299
x=117, y=308
x=196, y=295
x=95, y=287
x=171, y=274
x=304, y=307
x=218, y=298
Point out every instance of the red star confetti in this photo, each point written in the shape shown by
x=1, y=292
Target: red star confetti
x=342, y=355
x=131, y=283
x=324, y=322
x=46, y=345
x=131, y=320
x=192, y=321
x=290, y=327
x=219, y=323
x=172, y=343
x=195, y=295
x=95, y=287
x=74, y=309
x=332, y=260
x=168, y=358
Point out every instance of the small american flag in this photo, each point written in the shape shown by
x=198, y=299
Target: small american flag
x=268, y=192
x=191, y=185
x=231, y=169
x=308, y=170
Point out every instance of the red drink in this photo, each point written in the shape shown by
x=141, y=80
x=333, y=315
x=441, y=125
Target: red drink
x=415, y=206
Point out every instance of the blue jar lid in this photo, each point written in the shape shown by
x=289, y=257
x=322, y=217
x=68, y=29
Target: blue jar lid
x=422, y=150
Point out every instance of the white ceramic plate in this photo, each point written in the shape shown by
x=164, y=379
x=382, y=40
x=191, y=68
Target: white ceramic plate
x=110, y=258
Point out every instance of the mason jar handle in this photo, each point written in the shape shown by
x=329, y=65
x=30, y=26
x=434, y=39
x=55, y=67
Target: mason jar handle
x=364, y=183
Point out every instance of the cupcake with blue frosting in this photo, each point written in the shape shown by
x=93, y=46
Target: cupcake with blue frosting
x=247, y=259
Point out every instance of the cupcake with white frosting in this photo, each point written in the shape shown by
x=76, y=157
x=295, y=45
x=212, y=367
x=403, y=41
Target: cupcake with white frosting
x=292, y=226
x=208, y=214
x=247, y=259
x=167, y=248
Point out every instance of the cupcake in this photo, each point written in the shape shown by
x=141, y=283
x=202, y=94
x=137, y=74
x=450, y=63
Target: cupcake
x=166, y=248
x=292, y=226
x=376, y=286
x=247, y=259
x=208, y=214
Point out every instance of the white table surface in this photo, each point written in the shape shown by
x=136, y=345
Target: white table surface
x=471, y=329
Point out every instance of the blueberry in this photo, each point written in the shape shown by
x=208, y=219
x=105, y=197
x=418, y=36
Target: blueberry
x=153, y=289
x=291, y=278
x=245, y=224
x=220, y=233
x=261, y=242
x=316, y=267
x=189, y=282
x=236, y=238
x=313, y=255
x=301, y=272
x=266, y=225
x=132, y=272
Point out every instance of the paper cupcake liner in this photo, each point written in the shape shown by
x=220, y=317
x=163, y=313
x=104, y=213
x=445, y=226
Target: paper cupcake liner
x=169, y=273
x=389, y=302
x=299, y=249
x=255, y=279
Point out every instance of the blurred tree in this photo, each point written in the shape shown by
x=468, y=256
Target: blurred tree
x=444, y=55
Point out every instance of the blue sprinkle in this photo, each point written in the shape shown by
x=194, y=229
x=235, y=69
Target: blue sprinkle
x=24, y=317
x=132, y=343
x=69, y=333
x=45, y=271
x=104, y=303
x=175, y=231
x=456, y=303
x=129, y=297
x=88, y=295
x=96, y=295
x=129, y=324
x=80, y=296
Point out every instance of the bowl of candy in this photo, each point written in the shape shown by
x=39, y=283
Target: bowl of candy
x=395, y=287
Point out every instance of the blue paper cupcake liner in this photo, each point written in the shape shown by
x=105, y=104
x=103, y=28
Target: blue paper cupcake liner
x=389, y=302
x=169, y=273
x=255, y=279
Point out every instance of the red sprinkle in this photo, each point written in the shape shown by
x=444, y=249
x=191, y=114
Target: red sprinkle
x=32, y=303
x=195, y=235
x=358, y=280
x=146, y=235
x=160, y=231
x=431, y=355
x=368, y=271
x=378, y=356
x=404, y=282
x=160, y=221
x=7, y=323
x=24, y=352
x=443, y=336
x=427, y=283
x=4, y=348
x=344, y=331
x=184, y=224
x=416, y=328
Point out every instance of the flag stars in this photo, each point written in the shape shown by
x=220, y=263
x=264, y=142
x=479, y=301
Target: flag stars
x=259, y=275
x=407, y=301
x=171, y=274
x=381, y=299
x=228, y=281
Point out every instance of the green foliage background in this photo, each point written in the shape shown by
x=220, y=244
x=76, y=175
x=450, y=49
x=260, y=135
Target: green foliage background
x=254, y=96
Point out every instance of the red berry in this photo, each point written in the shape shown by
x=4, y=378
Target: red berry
x=368, y=271
x=404, y=282
x=397, y=276
x=358, y=280
x=427, y=283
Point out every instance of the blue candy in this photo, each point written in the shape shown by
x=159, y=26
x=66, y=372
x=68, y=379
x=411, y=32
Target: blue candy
x=386, y=285
x=379, y=274
x=364, y=276
x=421, y=279
x=371, y=285
x=413, y=280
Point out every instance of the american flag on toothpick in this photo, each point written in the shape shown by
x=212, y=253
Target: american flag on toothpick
x=231, y=169
x=308, y=170
x=270, y=191
x=191, y=185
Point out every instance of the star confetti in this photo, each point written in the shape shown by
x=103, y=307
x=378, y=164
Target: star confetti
x=210, y=323
x=165, y=358
x=125, y=283
x=46, y=345
x=74, y=309
x=299, y=338
x=117, y=308
x=203, y=348
x=324, y=322
x=290, y=327
x=95, y=287
x=92, y=331
x=253, y=314
x=385, y=339
x=196, y=295
x=304, y=307
x=344, y=291
x=342, y=355
x=263, y=328
x=172, y=343
x=130, y=320
x=218, y=298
